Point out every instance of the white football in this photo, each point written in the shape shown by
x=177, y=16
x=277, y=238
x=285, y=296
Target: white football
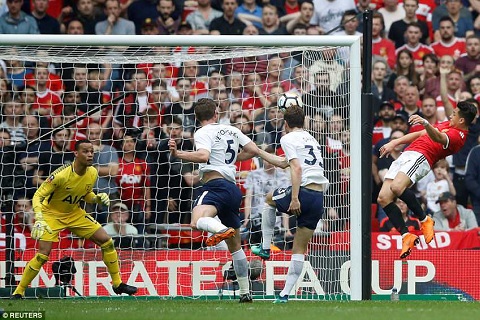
x=288, y=99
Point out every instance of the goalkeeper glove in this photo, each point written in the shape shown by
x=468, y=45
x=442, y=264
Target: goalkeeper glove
x=103, y=198
x=39, y=227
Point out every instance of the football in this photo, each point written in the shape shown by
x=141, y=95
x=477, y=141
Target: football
x=288, y=99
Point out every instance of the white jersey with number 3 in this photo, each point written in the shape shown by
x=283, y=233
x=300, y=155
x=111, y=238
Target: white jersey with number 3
x=302, y=146
x=223, y=143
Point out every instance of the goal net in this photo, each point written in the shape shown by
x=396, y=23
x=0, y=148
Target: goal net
x=129, y=95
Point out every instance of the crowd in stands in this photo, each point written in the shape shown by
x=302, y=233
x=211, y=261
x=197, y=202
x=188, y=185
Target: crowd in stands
x=426, y=59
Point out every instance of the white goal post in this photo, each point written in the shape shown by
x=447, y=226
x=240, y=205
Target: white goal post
x=133, y=50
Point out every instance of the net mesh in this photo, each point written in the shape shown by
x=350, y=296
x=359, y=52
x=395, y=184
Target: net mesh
x=153, y=88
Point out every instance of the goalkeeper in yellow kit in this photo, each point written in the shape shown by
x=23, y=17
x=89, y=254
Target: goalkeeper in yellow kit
x=57, y=206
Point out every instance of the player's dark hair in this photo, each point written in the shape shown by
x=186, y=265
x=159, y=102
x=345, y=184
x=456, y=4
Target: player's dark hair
x=467, y=110
x=205, y=109
x=80, y=142
x=294, y=116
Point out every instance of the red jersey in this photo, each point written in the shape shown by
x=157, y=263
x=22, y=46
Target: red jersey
x=133, y=179
x=425, y=10
x=380, y=132
x=454, y=49
x=434, y=151
x=386, y=49
x=439, y=102
x=54, y=82
x=50, y=101
x=417, y=52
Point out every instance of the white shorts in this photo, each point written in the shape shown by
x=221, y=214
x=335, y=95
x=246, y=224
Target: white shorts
x=412, y=163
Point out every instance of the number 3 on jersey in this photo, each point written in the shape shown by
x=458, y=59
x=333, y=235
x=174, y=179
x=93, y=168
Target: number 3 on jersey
x=312, y=153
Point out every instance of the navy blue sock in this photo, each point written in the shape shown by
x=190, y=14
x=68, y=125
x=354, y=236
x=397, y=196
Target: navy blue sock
x=395, y=216
x=408, y=196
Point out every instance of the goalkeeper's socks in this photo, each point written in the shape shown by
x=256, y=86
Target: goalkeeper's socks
x=294, y=272
x=268, y=224
x=395, y=215
x=30, y=272
x=211, y=225
x=110, y=258
x=408, y=196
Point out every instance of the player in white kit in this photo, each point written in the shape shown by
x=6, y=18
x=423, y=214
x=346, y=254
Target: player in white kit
x=217, y=149
x=304, y=198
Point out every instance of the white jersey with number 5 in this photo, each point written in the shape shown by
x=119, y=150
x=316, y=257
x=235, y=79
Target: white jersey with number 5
x=302, y=146
x=223, y=143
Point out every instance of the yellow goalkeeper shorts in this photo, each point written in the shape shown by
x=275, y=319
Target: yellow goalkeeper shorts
x=79, y=222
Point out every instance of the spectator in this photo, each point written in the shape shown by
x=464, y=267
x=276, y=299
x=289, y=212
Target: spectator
x=23, y=215
x=448, y=43
x=12, y=113
x=201, y=19
x=75, y=26
x=459, y=15
x=255, y=102
x=227, y=23
x=411, y=101
x=381, y=46
x=271, y=22
x=183, y=108
x=452, y=84
x=417, y=49
x=322, y=99
x=114, y=24
x=429, y=75
x=168, y=21
x=185, y=29
x=29, y=158
x=396, y=33
x=172, y=196
x=15, y=21
x=47, y=103
x=380, y=90
x=128, y=112
x=391, y=12
x=140, y=10
x=250, y=30
x=470, y=63
x=16, y=71
x=328, y=13
x=118, y=225
x=382, y=127
x=453, y=217
x=442, y=183
x=306, y=14
x=412, y=223
x=149, y=27
x=330, y=63
x=133, y=179
x=400, y=87
x=274, y=76
x=46, y=23
x=474, y=87
x=250, y=13
x=405, y=66
x=85, y=12
x=56, y=156
x=223, y=107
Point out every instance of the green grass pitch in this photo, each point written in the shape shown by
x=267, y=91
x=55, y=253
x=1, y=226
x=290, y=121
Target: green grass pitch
x=157, y=309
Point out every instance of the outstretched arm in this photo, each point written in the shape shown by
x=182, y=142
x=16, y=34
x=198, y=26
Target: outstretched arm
x=388, y=147
x=251, y=149
x=432, y=132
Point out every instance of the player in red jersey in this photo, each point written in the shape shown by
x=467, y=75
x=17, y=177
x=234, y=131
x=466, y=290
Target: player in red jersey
x=426, y=148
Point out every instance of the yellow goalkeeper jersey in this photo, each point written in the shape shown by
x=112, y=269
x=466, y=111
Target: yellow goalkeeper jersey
x=62, y=192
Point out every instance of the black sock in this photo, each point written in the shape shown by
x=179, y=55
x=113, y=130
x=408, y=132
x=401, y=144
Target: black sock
x=395, y=215
x=408, y=196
